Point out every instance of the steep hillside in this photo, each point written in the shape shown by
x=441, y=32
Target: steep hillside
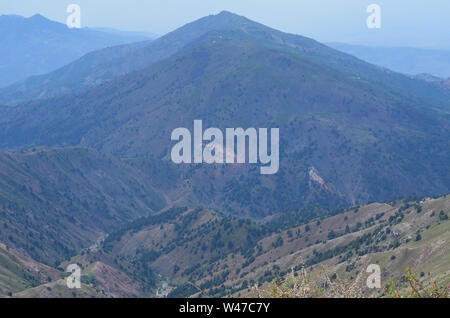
x=176, y=245
x=396, y=236
x=98, y=280
x=36, y=45
x=18, y=272
x=365, y=140
x=58, y=289
x=54, y=202
x=440, y=82
x=201, y=253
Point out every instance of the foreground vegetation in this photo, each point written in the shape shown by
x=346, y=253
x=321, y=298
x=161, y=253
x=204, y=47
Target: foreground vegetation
x=307, y=285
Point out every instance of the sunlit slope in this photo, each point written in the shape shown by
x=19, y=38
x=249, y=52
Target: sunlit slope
x=186, y=252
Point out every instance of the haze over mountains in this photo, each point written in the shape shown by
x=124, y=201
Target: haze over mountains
x=36, y=45
x=412, y=61
x=98, y=67
x=86, y=175
x=101, y=66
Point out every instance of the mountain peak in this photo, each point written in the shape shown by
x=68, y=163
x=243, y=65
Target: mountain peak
x=38, y=17
x=227, y=18
x=21, y=20
x=39, y=20
x=227, y=13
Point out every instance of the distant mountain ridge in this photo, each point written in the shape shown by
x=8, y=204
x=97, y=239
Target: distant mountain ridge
x=441, y=82
x=104, y=65
x=37, y=45
x=98, y=67
x=406, y=60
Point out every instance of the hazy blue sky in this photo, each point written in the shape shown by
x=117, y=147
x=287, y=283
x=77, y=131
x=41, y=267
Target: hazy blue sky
x=404, y=22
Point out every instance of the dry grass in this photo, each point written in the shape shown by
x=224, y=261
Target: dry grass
x=309, y=285
x=313, y=285
x=417, y=289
